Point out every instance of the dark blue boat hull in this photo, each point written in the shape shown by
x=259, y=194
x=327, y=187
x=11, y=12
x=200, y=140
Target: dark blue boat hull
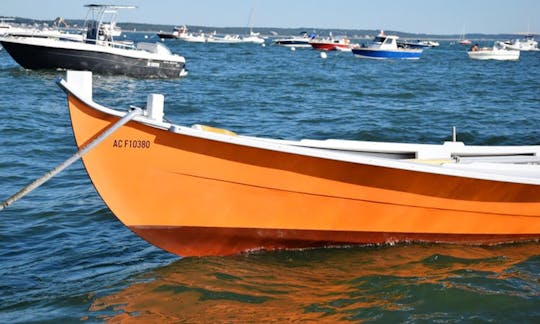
x=387, y=54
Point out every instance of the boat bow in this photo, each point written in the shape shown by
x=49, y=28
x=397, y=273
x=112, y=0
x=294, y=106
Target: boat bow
x=198, y=191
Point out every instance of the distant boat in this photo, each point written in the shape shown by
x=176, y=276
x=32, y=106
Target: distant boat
x=7, y=29
x=462, y=39
x=225, y=39
x=176, y=33
x=190, y=37
x=194, y=38
x=253, y=38
x=497, y=52
x=301, y=41
x=418, y=43
x=167, y=35
x=184, y=34
x=197, y=191
x=386, y=47
x=99, y=52
x=330, y=43
x=528, y=43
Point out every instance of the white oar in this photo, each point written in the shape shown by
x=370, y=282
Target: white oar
x=127, y=117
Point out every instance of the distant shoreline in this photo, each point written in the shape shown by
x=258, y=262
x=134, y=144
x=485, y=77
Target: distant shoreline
x=279, y=31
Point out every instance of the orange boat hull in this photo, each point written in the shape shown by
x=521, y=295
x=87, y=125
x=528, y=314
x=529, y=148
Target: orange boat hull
x=195, y=196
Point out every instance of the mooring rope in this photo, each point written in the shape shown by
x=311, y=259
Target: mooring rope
x=48, y=175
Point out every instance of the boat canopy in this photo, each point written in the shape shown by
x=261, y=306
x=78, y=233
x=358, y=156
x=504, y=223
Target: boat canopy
x=101, y=22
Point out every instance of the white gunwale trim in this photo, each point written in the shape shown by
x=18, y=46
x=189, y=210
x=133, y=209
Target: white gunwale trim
x=293, y=147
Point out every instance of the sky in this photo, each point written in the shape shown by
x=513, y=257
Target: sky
x=445, y=17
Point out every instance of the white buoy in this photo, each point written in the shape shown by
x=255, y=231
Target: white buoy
x=263, y=45
x=145, y=36
x=323, y=55
x=293, y=48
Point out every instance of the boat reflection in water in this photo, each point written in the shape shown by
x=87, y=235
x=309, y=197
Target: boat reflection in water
x=389, y=283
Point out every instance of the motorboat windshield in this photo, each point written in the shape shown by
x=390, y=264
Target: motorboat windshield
x=379, y=39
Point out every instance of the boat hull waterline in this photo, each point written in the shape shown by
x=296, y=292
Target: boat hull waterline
x=498, y=55
x=405, y=54
x=75, y=56
x=293, y=43
x=197, y=193
x=327, y=46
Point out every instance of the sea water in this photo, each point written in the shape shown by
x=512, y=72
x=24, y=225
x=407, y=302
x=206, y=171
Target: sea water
x=65, y=257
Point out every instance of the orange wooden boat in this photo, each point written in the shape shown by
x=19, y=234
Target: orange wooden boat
x=198, y=191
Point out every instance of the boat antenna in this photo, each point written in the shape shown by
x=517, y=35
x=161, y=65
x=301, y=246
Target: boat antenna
x=250, y=20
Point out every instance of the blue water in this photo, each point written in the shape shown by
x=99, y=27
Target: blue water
x=64, y=256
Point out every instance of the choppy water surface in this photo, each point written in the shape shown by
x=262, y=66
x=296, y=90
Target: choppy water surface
x=64, y=257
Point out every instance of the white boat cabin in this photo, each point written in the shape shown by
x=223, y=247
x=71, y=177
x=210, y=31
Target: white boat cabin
x=385, y=42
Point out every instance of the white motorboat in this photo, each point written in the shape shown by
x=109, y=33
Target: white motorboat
x=184, y=34
x=177, y=32
x=253, y=38
x=497, y=52
x=226, y=39
x=301, y=41
x=8, y=29
x=99, y=52
x=194, y=38
x=526, y=44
